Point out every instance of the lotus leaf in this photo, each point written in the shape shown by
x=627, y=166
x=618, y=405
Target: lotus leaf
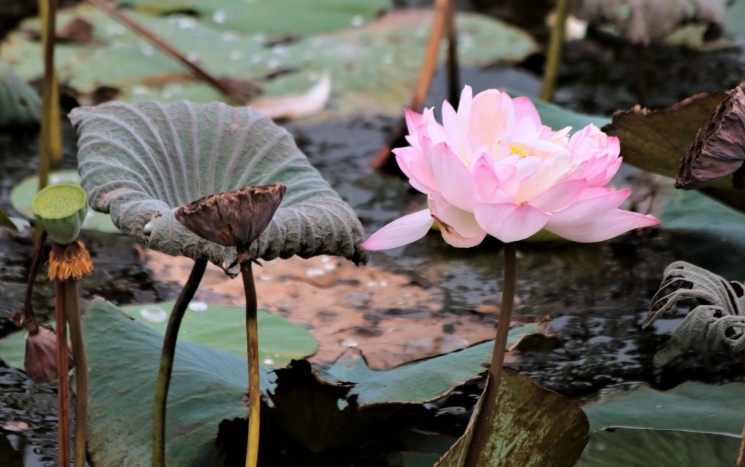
x=140, y=162
x=19, y=104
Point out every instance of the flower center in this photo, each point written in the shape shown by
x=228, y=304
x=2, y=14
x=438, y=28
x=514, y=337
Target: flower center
x=522, y=152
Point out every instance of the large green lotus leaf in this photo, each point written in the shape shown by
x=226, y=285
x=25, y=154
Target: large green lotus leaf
x=19, y=104
x=689, y=407
x=140, y=162
x=22, y=194
x=373, y=69
x=416, y=382
x=533, y=426
x=224, y=328
x=558, y=117
x=207, y=386
x=624, y=447
x=273, y=17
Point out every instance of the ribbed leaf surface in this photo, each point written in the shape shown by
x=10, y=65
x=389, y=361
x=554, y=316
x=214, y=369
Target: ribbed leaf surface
x=139, y=162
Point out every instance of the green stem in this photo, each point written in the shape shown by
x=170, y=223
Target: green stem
x=72, y=308
x=489, y=400
x=63, y=382
x=452, y=58
x=555, y=45
x=166, y=362
x=254, y=389
x=29, y=317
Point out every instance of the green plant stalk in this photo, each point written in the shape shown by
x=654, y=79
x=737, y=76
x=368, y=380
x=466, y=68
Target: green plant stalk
x=494, y=378
x=160, y=397
x=555, y=46
x=63, y=382
x=50, y=139
x=72, y=309
x=254, y=389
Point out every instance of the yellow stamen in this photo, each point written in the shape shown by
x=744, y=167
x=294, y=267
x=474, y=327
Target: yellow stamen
x=522, y=152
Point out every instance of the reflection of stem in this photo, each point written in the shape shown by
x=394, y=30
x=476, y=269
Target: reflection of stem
x=166, y=362
x=254, y=391
x=489, y=397
x=63, y=383
x=72, y=308
x=555, y=44
x=195, y=69
x=29, y=318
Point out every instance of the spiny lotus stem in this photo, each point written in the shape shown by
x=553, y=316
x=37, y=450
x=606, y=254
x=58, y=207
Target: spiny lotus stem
x=167, y=355
x=489, y=397
x=254, y=389
x=69, y=262
x=63, y=381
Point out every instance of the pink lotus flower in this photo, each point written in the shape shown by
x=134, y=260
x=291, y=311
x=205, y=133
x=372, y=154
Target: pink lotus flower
x=494, y=168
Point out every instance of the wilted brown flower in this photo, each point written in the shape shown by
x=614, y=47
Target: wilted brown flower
x=69, y=262
x=719, y=147
x=40, y=360
x=234, y=218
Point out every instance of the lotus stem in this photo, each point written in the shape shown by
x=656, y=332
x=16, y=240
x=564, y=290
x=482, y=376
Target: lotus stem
x=50, y=139
x=29, y=317
x=72, y=309
x=254, y=389
x=160, y=397
x=443, y=8
x=555, y=46
x=489, y=397
x=63, y=382
x=199, y=72
x=452, y=61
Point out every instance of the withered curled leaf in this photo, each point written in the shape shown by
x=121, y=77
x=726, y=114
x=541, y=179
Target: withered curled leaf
x=719, y=147
x=233, y=218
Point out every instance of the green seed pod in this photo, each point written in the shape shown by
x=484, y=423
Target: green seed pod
x=61, y=209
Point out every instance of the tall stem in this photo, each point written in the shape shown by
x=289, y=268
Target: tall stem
x=452, y=61
x=29, y=318
x=489, y=397
x=63, y=383
x=555, y=46
x=72, y=308
x=166, y=362
x=254, y=390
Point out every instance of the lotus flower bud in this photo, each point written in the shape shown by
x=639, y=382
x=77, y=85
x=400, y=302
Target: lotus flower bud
x=61, y=209
x=234, y=218
x=41, y=355
x=719, y=147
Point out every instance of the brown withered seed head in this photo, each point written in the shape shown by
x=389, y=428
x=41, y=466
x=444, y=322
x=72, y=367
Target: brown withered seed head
x=69, y=262
x=40, y=360
x=719, y=147
x=234, y=218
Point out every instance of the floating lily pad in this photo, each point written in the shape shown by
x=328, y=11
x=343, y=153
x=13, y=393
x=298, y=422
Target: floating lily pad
x=271, y=17
x=224, y=328
x=19, y=104
x=692, y=424
x=373, y=69
x=22, y=194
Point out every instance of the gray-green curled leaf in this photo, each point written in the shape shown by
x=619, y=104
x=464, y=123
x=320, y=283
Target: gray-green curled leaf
x=19, y=104
x=715, y=324
x=140, y=162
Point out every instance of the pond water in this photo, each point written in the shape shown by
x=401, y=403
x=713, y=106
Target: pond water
x=594, y=296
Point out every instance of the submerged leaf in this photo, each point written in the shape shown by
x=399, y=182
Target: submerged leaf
x=533, y=426
x=19, y=104
x=140, y=162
